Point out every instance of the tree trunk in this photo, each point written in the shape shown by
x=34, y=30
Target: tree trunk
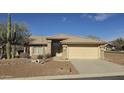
x=13, y=51
x=8, y=50
x=2, y=51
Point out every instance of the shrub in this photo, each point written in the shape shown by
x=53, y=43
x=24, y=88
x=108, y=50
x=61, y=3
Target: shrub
x=40, y=56
x=24, y=55
x=47, y=55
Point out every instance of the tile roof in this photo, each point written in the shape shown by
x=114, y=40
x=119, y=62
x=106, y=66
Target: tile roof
x=70, y=39
x=58, y=37
x=65, y=39
x=38, y=40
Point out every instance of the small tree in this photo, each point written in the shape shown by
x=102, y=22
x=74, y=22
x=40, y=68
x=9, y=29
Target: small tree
x=118, y=43
x=12, y=35
x=22, y=35
x=3, y=31
x=3, y=36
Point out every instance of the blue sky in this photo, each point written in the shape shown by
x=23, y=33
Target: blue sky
x=106, y=26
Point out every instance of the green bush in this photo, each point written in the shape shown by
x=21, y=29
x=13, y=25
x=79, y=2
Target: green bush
x=45, y=56
x=24, y=55
x=40, y=56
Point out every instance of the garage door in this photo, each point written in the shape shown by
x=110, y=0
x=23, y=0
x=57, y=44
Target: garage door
x=83, y=52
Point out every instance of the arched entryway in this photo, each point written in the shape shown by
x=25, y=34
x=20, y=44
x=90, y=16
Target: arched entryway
x=56, y=46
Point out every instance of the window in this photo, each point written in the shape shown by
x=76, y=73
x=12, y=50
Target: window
x=38, y=50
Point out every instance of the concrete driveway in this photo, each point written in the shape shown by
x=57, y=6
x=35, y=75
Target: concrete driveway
x=96, y=66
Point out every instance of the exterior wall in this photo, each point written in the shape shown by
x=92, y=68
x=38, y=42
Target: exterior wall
x=102, y=50
x=49, y=47
x=114, y=56
x=84, y=51
x=75, y=51
x=65, y=52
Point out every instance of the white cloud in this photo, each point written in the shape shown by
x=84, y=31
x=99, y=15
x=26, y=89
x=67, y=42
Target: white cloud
x=64, y=19
x=102, y=16
x=84, y=15
x=97, y=17
x=90, y=16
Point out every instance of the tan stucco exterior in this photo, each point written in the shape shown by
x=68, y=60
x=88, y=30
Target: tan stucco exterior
x=75, y=51
x=49, y=47
x=64, y=52
x=83, y=52
x=72, y=47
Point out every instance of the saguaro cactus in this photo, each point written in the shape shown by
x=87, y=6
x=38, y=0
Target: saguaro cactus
x=13, y=37
x=8, y=45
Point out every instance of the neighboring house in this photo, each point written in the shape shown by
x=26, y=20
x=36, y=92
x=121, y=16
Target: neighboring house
x=109, y=47
x=66, y=47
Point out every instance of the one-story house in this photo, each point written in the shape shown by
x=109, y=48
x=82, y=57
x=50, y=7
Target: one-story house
x=66, y=46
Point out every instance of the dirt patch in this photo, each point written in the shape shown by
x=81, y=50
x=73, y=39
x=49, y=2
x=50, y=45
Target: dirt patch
x=115, y=57
x=24, y=68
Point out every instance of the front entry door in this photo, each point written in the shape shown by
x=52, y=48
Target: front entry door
x=56, y=48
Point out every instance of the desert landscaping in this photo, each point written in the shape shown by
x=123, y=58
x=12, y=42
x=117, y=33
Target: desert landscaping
x=24, y=68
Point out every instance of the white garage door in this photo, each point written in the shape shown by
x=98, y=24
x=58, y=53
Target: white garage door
x=83, y=52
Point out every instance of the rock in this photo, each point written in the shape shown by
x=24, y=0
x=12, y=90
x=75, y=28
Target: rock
x=3, y=59
x=35, y=61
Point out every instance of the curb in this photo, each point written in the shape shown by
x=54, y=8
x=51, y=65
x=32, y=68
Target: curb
x=76, y=76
